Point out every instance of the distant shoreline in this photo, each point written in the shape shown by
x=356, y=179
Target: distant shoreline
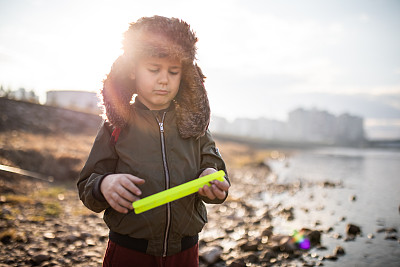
x=279, y=144
x=22, y=115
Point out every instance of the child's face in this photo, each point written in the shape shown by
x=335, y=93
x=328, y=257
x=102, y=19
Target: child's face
x=157, y=81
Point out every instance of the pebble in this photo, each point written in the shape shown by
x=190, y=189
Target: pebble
x=246, y=245
x=40, y=258
x=331, y=257
x=49, y=235
x=371, y=236
x=387, y=230
x=352, y=229
x=339, y=251
x=211, y=254
x=267, y=255
x=350, y=238
x=391, y=237
x=337, y=236
x=268, y=231
x=313, y=235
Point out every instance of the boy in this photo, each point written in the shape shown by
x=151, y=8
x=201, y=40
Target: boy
x=158, y=142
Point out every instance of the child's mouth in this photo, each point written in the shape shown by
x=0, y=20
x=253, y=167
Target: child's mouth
x=161, y=92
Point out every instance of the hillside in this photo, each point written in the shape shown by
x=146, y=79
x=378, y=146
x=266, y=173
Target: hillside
x=47, y=140
x=40, y=119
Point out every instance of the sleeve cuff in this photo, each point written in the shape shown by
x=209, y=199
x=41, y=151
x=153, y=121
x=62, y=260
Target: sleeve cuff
x=97, y=194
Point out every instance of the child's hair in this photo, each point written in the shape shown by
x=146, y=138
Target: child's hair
x=158, y=37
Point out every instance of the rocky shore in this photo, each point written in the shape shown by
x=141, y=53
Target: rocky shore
x=42, y=224
x=45, y=224
x=241, y=231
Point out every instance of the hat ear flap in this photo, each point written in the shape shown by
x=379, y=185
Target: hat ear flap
x=117, y=92
x=192, y=106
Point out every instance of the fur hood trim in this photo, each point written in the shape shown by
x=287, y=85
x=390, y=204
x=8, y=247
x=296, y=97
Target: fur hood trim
x=158, y=37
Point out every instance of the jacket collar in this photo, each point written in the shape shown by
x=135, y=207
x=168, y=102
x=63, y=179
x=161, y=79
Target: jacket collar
x=142, y=106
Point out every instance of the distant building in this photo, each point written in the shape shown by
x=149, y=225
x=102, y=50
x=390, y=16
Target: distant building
x=75, y=100
x=20, y=94
x=349, y=129
x=258, y=128
x=311, y=126
x=319, y=126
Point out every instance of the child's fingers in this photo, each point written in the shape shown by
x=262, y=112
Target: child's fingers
x=134, y=179
x=206, y=191
x=127, y=194
x=121, y=203
x=114, y=204
x=125, y=203
x=224, y=186
x=218, y=192
x=212, y=192
x=130, y=184
x=120, y=191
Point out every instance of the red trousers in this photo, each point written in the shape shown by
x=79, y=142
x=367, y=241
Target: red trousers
x=117, y=256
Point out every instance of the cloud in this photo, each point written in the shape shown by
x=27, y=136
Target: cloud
x=268, y=44
x=5, y=58
x=364, y=18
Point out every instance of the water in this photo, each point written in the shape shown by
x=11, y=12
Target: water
x=372, y=176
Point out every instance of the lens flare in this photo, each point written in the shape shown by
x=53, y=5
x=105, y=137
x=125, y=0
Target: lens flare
x=301, y=241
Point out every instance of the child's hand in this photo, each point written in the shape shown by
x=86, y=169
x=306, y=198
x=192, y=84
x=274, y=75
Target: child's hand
x=217, y=189
x=120, y=191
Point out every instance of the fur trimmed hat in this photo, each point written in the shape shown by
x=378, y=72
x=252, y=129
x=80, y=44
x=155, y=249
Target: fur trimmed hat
x=158, y=37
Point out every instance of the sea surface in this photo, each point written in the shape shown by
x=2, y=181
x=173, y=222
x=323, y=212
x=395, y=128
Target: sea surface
x=362, y=187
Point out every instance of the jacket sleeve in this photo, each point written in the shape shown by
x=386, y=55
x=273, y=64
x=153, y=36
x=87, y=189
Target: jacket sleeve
x=102, y=161
x=211, y=158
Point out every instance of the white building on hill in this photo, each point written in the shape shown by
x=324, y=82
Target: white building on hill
x=75, y=100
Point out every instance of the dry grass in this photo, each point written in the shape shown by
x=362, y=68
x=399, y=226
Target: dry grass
x=239, y=155
x=35, y=205
x=60, y=156
x=65, y=145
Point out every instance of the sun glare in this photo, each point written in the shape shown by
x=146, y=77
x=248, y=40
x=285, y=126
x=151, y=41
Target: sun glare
x=96, y=52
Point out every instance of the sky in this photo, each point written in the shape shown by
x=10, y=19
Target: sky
x=261, y=58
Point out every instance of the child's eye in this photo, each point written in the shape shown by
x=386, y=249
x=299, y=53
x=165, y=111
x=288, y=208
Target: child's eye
x=154, y=70
x=173, y=73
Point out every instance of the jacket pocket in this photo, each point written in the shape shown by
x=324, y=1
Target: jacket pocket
x=113, y=218
x=189, y=216
x=201, y=210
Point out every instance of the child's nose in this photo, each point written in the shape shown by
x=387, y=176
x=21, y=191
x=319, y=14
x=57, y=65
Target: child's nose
x=163, y=78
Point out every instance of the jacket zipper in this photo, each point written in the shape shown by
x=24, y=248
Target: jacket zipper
x=167, y=182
